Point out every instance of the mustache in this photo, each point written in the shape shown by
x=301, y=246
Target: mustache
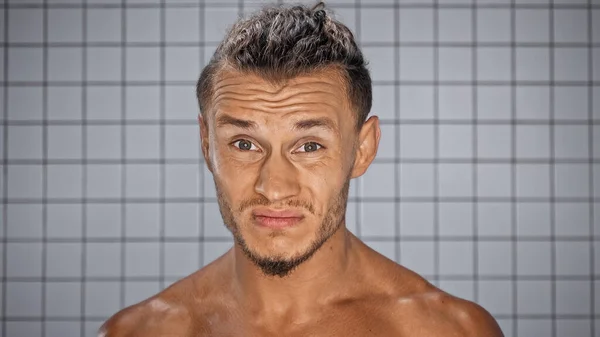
x=263, y=201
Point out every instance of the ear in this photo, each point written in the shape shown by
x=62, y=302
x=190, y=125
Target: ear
x=367, y=145
x=203, y=123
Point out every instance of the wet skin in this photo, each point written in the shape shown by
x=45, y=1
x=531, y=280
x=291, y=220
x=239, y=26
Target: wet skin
x=292, y=147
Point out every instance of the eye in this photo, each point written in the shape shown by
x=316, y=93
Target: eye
x=244, y=145
x=309, y=147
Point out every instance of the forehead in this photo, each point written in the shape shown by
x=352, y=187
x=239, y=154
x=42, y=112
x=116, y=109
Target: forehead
x=323, y=90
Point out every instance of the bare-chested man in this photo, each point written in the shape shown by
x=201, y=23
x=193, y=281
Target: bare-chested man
x=283, y=123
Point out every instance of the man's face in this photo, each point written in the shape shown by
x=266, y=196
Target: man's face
x=281, y=158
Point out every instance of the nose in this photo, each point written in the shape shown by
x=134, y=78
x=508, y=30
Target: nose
x=278, y=179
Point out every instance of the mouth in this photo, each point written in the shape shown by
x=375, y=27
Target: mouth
x=276, y=219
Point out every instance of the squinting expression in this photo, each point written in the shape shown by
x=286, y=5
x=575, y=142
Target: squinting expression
x=281, y=158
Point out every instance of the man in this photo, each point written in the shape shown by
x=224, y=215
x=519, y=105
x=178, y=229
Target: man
x=284, y=104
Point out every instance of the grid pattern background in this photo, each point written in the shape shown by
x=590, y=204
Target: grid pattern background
x=487, y=181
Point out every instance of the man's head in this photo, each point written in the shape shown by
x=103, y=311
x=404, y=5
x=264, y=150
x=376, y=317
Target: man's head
x=283, y=107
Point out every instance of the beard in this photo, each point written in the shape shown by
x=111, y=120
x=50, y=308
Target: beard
x=277, y=265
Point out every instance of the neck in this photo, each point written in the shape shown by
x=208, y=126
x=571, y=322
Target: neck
x=321, y=277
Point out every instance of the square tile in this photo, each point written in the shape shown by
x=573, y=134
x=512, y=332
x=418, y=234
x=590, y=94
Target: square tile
x=103, y=102
x=63, y=299
x=24, y=103
x=494, y=103
x=142, y=141
x=350, y=220
x=416, y=102
x=532, y=25
x=455, y=219
x=24, y=221
x=103, y=141
x=92, y=328
x=102, y=298
x=346, y=15
x=142, y=220
x=455, y=102
x=494, y=141
x=595, y=26
x=378, y=181
x=142, y=259
x=25, y=64
x=103, y=220
x=143, y=64
x=572, y=180
x=573, y=327
x=24, y=181
x=104, y=24
x=64, y=220
x=571, y=64
x=416, y=180
x=211, y=193
x=63, y=259
x=533, y=64
x=533, y=141
x=496, y=297
x=571, y=141
x=182, y=63
x=534, y=327
x=183, y=24
x=461, y=289
x=181, y=103
x=143, y=24
x=383, y=102
x=455, y=64
x=182, y=181
x=495, y=258
x=385, y=248
x=455, y=180
x=416, y=64
x=416, y=141
x=182, y=220
x=217, y=21
x=416, y=219
x=182, y=141
x=533, y=219
x=25, y=25
x=573, y=297
x=571, y=103
x=382, y=31
x=65, y=25
x=533, y=258
x=416, y=24
x=143, y=103
x=534, y=298
x=61, y=328
x=23, y=299
x=23, y=259
x=455, y=25
x=64, y=181
x=24, y=142
x=455, y=141
x=104, y=64
x=381, y=63
x=64, y=142
x=456, y=258
x=213, y=225
x=533, y=180
x=571, y=25
x=142, y=181
x=493, y=24
x=534, y=102
x=572, y=258
x=103, y=181
x=387, y=143
x=572, y=218
x=136, y=292
x=378, y=219
x=494, y=219
x=494, y=64
x=494, y=180
x=595, y=73
x=213, y=250
x=181, y=258
x=103, y=259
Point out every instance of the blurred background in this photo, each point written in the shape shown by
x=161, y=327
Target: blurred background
x=487, y=181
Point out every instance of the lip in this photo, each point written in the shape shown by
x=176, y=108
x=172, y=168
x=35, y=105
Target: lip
x=277, y=219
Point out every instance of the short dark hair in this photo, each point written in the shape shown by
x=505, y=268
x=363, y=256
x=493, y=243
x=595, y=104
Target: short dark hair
x=281, y=42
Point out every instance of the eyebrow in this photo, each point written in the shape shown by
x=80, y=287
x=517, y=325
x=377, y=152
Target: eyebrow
x=307, y=124
x=224, y=120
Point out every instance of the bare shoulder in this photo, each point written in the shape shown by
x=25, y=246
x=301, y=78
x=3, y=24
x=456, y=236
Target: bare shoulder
x=163, y=314
x=434, y=312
